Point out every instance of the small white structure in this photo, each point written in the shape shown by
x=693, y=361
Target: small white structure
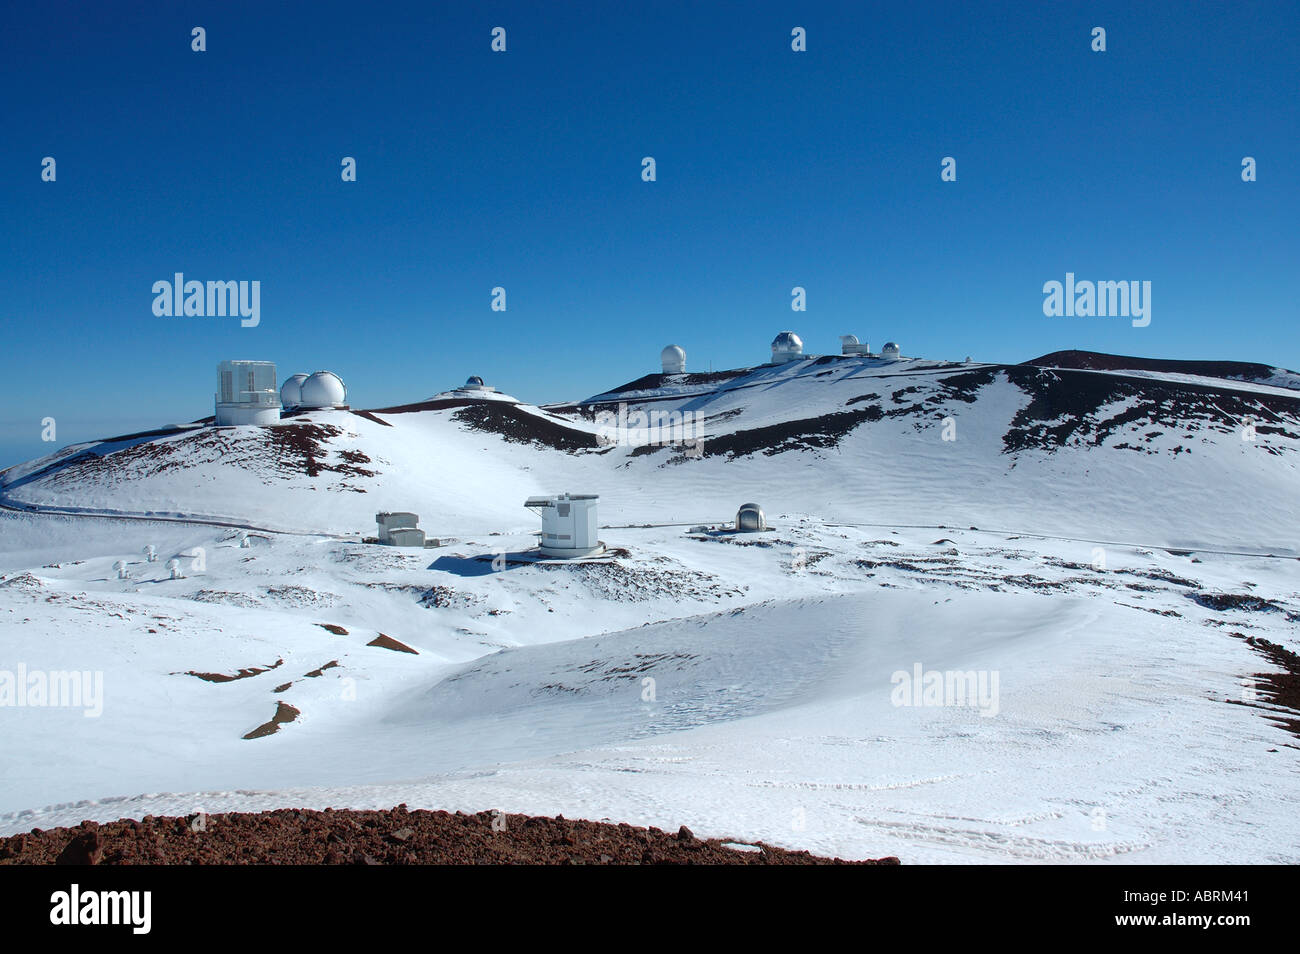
x=849, y=344
x=787, y=346
x=475, y=384
x=324, y=389
x=291, y=390
x=750, y=518
x=890, y=351
x=474, y=389
x=246, y=393
x=673, y=359
x=568, y=524
x=393, y=526
x=406, y=537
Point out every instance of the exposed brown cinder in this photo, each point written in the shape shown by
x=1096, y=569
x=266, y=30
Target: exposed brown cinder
x=394, y=836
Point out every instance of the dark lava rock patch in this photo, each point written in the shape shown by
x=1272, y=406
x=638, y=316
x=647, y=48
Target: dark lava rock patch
x=1278, y=692
x=521, y=427
x=285, y=450
x=1095, y=361
x=242, y=674
x=387, y=642
x=392, y=837
x=1078, y=408
x=1221, y=602
x=284, y=714
x=805, y=434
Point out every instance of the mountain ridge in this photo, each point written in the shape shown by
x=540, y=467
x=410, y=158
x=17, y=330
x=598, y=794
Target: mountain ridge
x=933, y=441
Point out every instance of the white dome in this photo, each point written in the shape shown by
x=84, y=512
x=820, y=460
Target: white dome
x=849, y=344
x=291, y=390
x=323, y=389
x=473, y=381
x=786, y=347
x=750, y=517
x=890, y=350
x=673, y=359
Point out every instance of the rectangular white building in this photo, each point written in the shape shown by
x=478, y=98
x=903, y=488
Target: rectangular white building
x=569, y=526
x=390, y=523
x=246, y=393
x=405, y=537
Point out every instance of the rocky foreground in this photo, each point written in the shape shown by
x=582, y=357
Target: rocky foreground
x=392, y=837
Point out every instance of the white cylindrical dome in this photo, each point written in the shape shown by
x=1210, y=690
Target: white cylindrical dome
x=673, y=359
x=890, y=350
x=323, y=389
x=787, y=346
x=291, y=391
x=473, y=381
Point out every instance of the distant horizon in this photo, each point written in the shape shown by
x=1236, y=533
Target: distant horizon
x=916, y=174
x=47, y=448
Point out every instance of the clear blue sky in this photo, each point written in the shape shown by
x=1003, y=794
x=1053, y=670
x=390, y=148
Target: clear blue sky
x=523, y=169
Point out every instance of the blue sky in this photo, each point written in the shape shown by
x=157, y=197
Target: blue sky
x=523, y=170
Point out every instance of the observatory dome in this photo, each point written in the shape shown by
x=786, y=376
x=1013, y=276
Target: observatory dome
x=291, y=390
x=673, y=359
x=787, y=346
x=890, y=350
x=750, y=518
x=323, y=389
x=849, y=344
x=473, y=381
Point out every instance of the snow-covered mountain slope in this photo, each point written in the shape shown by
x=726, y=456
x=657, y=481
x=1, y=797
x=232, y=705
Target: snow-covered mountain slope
x=1211, y=372
x=1164, y=457
x=743, y=685
x=1109, y=552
